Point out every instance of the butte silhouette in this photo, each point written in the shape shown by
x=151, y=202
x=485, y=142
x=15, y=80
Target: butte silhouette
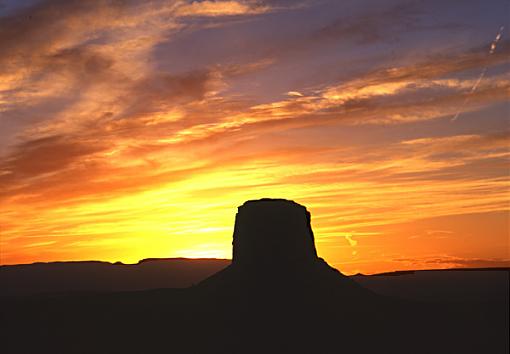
x=274, y=247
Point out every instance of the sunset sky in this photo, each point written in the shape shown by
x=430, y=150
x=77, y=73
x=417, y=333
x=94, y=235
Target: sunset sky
x=134, y=129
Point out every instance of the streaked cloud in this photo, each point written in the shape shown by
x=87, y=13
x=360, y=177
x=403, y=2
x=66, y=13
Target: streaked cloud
x=442, y=261
x=220, y=8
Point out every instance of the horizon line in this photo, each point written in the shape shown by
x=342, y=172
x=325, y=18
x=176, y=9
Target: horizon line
x=145, y=260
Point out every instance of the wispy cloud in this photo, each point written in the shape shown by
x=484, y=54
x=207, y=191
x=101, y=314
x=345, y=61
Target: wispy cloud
x=220, y=8
x=444, y=261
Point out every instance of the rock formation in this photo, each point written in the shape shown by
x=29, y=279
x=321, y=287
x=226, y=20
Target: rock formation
x=273, y=247
x=272, y=232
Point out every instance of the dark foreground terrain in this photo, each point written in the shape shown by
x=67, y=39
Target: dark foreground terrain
x=277, y=296
x=258, y=319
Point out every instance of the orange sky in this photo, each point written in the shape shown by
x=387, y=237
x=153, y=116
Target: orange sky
x=131, y=130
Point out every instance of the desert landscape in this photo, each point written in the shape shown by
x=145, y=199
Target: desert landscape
x=275, y=296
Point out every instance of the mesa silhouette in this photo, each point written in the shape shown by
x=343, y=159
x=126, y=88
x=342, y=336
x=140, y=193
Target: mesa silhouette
x=277, y=296
x=273, y=246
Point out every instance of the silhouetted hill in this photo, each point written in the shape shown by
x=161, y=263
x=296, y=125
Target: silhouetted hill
x=92, y=276
x=475, y=284
x=103, y=276
x=277, y=296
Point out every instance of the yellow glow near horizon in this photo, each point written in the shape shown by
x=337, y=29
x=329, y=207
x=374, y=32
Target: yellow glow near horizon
x=194, y=218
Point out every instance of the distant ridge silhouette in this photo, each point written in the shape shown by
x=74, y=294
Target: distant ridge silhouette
x=157, y=273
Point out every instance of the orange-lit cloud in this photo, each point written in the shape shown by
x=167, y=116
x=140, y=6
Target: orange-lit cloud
x=219, y=8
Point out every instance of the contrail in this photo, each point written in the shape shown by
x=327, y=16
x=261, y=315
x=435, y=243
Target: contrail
x=484, y=71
